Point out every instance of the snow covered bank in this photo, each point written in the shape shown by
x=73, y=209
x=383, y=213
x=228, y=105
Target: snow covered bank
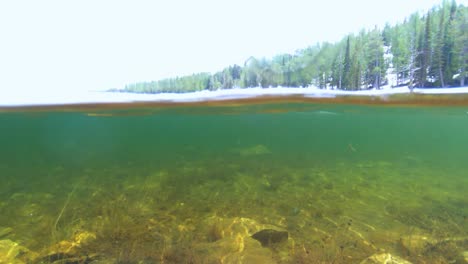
x=459, y=90
x=12, y=99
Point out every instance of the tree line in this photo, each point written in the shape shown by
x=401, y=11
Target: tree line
x=428, y=50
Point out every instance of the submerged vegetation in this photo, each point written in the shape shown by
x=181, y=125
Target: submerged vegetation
x=429, y=50
x=205, y=212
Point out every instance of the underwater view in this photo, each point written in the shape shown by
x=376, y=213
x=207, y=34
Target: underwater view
x=272, y=181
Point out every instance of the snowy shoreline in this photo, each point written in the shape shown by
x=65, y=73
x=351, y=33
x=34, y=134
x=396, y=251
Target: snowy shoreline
x=92, y=97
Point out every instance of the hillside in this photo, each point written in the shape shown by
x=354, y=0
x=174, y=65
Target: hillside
x=424, y=51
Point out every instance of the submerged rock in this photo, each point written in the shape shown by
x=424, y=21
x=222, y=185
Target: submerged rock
x=68, y=251
x=70, y=247
x=425, y=245
x=10, y=252
x=217, y=228
x=236, y=249
x=69, y=259
x=230, y=240
x=463, y=258
x=384, y=258
x=415, y=244
x=267, y=237
x=254, y=150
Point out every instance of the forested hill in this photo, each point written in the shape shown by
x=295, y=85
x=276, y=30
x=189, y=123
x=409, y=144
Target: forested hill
x=426, y=50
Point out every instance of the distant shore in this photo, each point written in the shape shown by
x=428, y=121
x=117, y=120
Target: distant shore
x=96, y=97
x=236, y=93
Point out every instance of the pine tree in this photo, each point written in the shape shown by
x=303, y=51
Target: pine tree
x=460, y=32
x=401, y=51
x=426, y=52
x=337, y=70
x=449, y=46
x=346, y=67
x=375, y=65
x=440, y=50
x=413, y=50
x=358, y=69
x=419, y=63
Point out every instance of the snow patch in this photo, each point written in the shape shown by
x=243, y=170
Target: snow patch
x=12, y=99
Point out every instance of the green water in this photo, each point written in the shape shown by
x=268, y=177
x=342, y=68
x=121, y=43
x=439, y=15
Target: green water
x=192, y=184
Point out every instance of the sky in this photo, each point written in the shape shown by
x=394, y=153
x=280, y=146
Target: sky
x=64, y=45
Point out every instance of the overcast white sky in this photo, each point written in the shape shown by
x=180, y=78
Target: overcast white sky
x=53, y=45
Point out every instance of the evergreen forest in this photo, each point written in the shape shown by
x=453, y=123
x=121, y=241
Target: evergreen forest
x=425, y=51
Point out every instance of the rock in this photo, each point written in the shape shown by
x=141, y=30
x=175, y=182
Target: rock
x=67, y=259
x=234, y=250
x=218, y=227
x=254, y=151
x=384, y=258
x=415, y=244
x=267, y=237
x=8, y=251
x=463, y=258
x=84, y=238
x=230, y=240
x=423, y=244
x=11, y=251
x=66, y=249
